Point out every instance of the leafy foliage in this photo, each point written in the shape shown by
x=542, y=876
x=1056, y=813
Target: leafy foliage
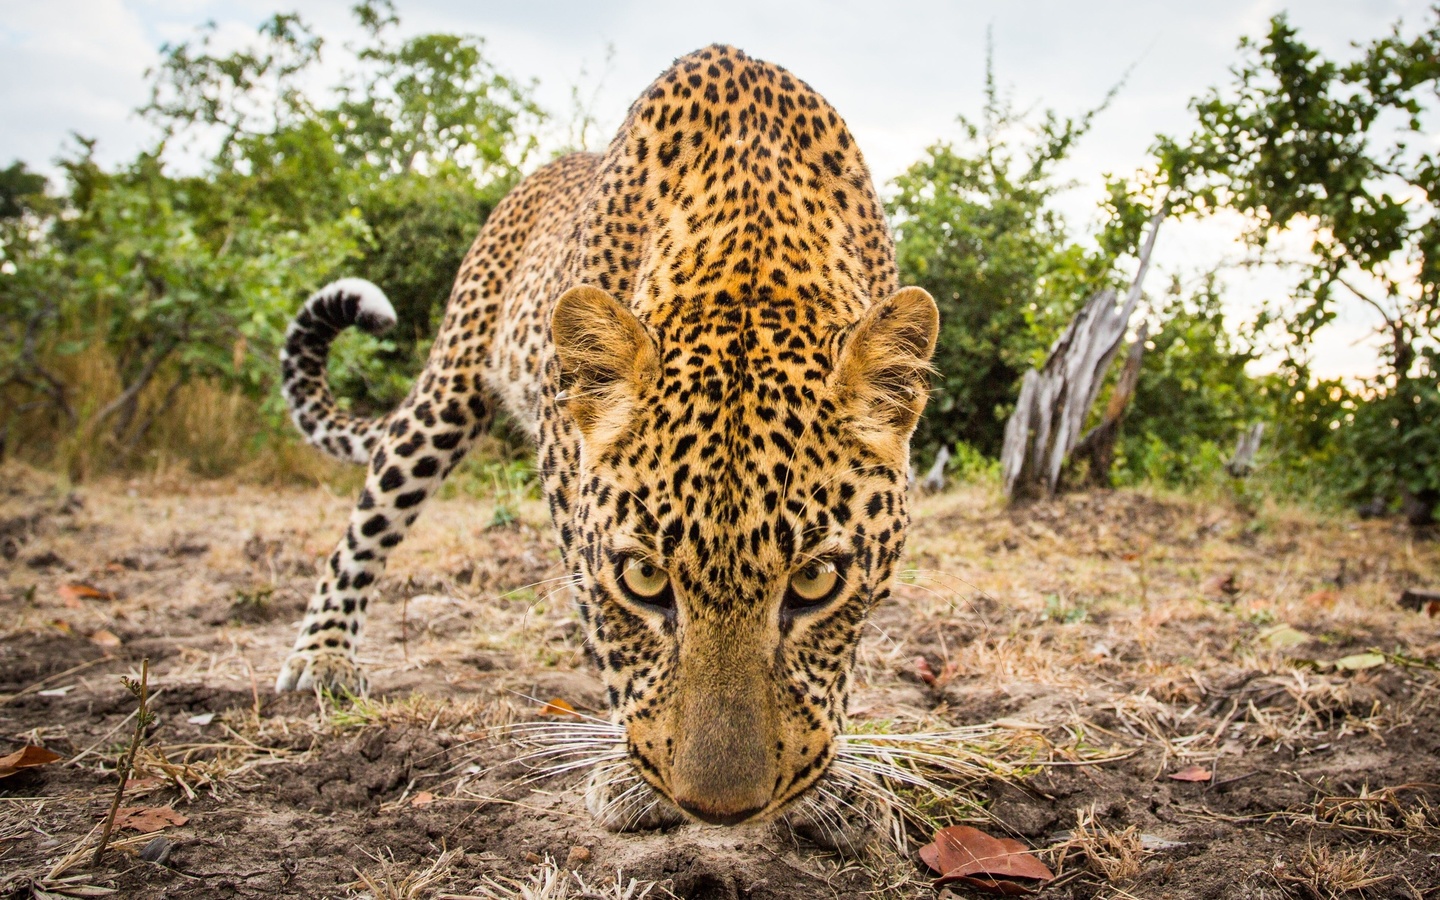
x=178, y=280
x=975, y=227
x=1337, y=152
x=1193, y=396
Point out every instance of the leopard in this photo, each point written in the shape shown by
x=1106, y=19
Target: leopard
x=702, y=332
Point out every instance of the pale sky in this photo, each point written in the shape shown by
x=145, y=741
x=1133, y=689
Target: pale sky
x=899, y=72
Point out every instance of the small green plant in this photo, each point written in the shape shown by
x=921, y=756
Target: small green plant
x=140, y=690
x=971, y=466
x=1064, y=610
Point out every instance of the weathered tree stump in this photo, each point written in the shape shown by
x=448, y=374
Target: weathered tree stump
x=1055, y=400
x=1098, y=444
x=1242, y=464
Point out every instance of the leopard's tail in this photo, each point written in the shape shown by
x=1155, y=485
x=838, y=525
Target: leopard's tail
x=330, y=310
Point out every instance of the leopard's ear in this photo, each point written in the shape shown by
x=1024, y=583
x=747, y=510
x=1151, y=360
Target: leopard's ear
x=883, y=374
x=606, y=358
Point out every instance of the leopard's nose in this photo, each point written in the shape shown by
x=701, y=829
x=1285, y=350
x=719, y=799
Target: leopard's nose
x=715, y=817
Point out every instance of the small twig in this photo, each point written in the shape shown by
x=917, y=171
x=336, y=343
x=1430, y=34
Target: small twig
x=142, y=721
x=44, y=681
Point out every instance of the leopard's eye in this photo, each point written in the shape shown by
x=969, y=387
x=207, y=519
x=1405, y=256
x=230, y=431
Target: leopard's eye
x=645, y=580
x=814, y=584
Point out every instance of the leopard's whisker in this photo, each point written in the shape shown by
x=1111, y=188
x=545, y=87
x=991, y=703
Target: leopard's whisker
x=840, y=800
x=542, y=703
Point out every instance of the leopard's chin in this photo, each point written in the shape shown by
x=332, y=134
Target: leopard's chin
x=833, y=812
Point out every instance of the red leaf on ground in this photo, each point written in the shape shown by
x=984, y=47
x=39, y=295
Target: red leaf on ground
x=922, y=668
x=970, y=856
x=27, y=757
x=424, y=798
x=1432, y=608
x=148, y=819
x=1193, y=773
x=78, y=590
x=558, y=707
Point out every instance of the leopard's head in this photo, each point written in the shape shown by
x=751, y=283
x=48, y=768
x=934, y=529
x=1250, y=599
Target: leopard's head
x=740, y=507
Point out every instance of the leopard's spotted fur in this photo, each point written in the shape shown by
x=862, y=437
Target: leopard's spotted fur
x=702, y=332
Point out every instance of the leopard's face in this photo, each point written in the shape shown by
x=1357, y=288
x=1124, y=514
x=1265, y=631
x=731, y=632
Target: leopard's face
x=735, y=525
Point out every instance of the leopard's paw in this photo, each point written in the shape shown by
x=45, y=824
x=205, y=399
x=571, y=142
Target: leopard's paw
x=620, y=800
x=334, y=670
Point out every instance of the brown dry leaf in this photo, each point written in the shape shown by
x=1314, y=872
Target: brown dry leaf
x=558, y=707
x=423, y=798
x=105, y=638
x=26, y=758
x=1227, y=585
x=1322, y=597
x=1432, y=608
x=1192, y=773
x=148, y=819
x=972, y=857
x=62, y=626
x=75, y=591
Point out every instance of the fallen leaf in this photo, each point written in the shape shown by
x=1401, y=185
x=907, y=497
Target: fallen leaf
x=1432, y=608
x=922, y=668
x=1322, y=597
x=74, y=591
x=423, y=798
x=1192, y=773
x=148, y=819
x=57, y=692
x=1227, y=585
x=202, y=719
x=972, y=857
x=1358, y=661
x=1283, y=636
x=558, y=707
x=27, y=757
x=105, y=638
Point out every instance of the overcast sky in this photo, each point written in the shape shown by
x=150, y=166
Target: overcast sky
x=899, y=72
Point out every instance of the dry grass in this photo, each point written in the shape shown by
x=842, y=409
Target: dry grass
x=388, y=880
x=1112, y=855
x=1326, y=874
x=550, y=881
x=196, y=427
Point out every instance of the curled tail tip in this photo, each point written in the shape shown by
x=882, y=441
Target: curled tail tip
x=354, y=301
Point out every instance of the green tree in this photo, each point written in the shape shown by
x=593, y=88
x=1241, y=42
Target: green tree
x=975, y=227
x=424, y=139
x=165, y=280
x=1339, y=152
x=1193, y=396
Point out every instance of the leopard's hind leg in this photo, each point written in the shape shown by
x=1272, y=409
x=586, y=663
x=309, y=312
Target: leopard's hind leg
x=409, y=453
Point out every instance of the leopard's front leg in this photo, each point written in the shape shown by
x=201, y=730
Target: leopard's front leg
x=425, y=438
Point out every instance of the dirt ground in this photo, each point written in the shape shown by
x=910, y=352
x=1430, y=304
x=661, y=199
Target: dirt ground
x=1091, y=647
